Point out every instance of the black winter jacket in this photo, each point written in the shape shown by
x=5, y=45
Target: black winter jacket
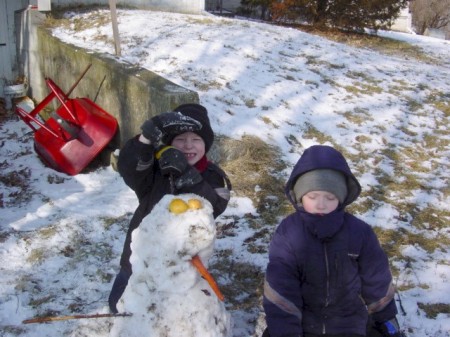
x=150, y=186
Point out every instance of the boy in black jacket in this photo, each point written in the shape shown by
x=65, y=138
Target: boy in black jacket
x=168, y=157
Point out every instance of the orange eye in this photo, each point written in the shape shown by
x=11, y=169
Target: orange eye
x=194, y=204
x=178, y=206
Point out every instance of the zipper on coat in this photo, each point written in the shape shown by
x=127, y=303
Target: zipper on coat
x=328, y=283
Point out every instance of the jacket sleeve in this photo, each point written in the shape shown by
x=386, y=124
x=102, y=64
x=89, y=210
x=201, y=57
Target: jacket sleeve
x=212, y=187
x=282, y=293
x=377, y=288
x=137, y=176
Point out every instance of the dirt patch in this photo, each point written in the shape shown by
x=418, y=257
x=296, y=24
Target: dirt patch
x=3, y=111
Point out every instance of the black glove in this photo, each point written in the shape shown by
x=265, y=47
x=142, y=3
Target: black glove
x=389, y=328
x=175, y=123
x=146, y=156
x=172, y=162
x=189, y=178
x=151, y=129
x=159, y=129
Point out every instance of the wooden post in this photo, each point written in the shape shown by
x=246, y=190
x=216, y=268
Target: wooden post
x=112, y=8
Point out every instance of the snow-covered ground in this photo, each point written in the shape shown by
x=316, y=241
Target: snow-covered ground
x=61, y=237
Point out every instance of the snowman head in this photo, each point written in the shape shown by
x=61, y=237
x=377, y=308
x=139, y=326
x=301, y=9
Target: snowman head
x=178, y=228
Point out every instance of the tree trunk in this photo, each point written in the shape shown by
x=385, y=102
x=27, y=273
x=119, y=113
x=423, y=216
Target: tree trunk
x=322, y=6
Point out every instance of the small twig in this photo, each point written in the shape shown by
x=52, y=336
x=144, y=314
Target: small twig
x=18, y=303
x=401, y=304
x=398, y=295
x=65, y=318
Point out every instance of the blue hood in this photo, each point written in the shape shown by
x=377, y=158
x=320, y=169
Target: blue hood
x=323, y=157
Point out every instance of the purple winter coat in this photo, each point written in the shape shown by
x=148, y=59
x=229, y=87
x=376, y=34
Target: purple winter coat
x=326, y=274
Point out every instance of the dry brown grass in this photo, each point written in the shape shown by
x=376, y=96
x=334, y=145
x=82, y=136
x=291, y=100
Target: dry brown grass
x=381, y=44
x=254, y=167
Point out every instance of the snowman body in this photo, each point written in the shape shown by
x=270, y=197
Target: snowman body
x=166, y=294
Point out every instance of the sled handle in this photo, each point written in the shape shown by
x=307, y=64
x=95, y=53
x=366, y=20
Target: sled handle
x=28, y=118
x=78, y=81
x=61, y=97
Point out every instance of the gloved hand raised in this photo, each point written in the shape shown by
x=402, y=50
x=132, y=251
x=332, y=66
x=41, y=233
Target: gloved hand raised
x=390, y=328
x=160, y=129
x=172, y=162
x=151, y=130
x=175, y=123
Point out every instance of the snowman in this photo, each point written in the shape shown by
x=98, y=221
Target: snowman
x=170, y=292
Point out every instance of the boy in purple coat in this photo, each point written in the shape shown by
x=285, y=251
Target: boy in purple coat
x=327, y=273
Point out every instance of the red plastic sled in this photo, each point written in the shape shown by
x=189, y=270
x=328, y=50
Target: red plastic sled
x=73, y=135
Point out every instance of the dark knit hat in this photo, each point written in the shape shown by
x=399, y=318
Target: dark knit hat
x=321, y=180
x=200, y=114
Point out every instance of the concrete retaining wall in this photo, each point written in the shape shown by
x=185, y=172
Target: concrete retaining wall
x=130, y=93
x=178, y=6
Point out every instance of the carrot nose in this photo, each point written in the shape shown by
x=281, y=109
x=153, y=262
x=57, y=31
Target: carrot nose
x=198, y=264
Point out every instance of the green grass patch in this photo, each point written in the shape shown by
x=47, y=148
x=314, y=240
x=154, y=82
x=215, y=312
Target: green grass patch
x=311, y=132
x=37, y=255
x=440, y=101
x=362, y=88
x=122, y=221
x=94, y=16
x=358, y=116
x=393, y=241
x=380, y=44
x=244, y=286
x=432, y=310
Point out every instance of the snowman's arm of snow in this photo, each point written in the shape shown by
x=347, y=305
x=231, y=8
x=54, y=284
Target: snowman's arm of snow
x=198, y=264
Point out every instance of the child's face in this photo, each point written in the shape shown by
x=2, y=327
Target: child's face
x=191, y=144
x=319, y=202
